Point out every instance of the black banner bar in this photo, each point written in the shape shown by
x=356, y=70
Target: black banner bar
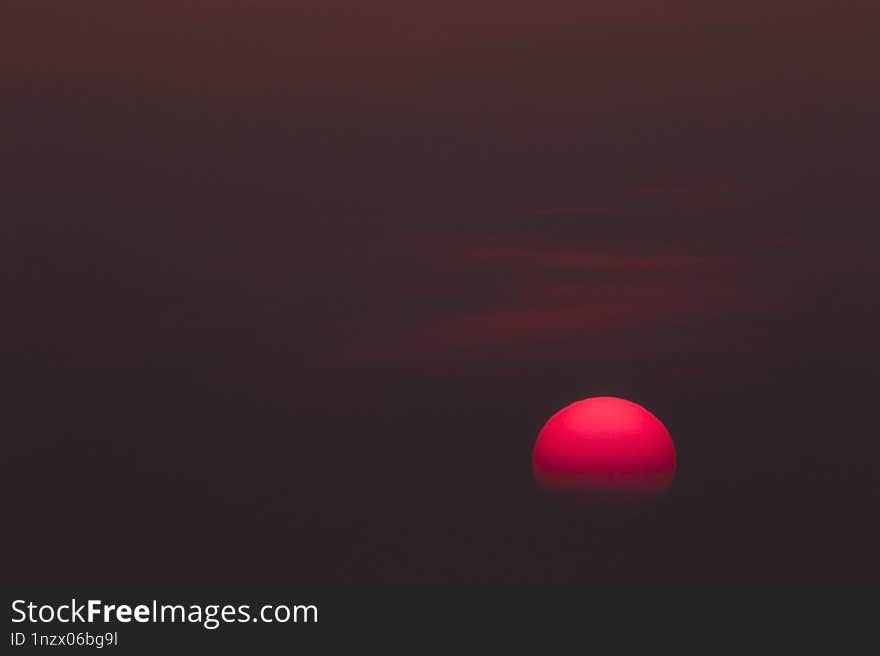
x=147, y=620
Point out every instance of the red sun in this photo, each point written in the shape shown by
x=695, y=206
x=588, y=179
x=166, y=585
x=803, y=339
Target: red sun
x=604, y=447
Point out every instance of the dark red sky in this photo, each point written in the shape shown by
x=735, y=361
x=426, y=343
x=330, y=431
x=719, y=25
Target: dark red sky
x=356, y=253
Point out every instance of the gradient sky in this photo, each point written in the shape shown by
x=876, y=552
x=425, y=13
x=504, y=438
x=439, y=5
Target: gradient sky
x=356, y=253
